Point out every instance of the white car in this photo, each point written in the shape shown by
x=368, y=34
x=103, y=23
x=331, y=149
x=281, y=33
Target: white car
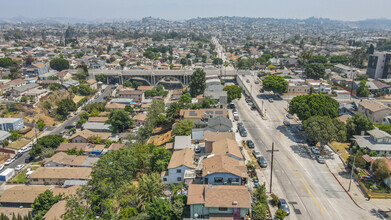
x=19, y=167
x=236, y=114
x=9, y=161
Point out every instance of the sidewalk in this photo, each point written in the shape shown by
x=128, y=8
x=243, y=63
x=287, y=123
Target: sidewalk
x=338, y=169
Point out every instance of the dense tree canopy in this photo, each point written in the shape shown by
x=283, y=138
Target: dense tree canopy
x=381, y=170
x=65, y=106
x=6, y=62
x=85, y=90
x=323, y=129
x=233, y=92
x=315, y=71
x=120, y=120
x=197, y=84
x=358, y=123
x=43, y=203
x=59, y=64
x=183, y=127
x=363, y=90
x=339, y=59
x=306, y=106
x=100, y=78
x=275, y=83
x=46, y=142
x=318, y=59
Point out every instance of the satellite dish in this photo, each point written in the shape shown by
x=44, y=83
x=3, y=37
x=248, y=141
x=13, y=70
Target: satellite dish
x=195, y=215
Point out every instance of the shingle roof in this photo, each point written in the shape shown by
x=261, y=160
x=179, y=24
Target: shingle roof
x=82, y=173
x=182, y=158
x=226, y=146
x=373, y=105
x=22, y=194
x=56, y=211
x=224, y=164
x=214, y=136
x=228, y=196
x=68, y=146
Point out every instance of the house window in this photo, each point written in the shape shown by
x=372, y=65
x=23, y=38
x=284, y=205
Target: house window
x=218, y=179
x=223, y=209
x=165, y=179
x=35, y=180
x=178, y=171
x=179, y=179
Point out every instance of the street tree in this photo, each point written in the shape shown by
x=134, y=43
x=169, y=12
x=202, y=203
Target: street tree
x=323, y=130
x=275, y=83
x=306, y=106
x=363, y=90
x=197, y=84
x=59, y=64
x=339, y=59
x=120, y=120
x=233, y=92
x=100, y=78
x=315, y=70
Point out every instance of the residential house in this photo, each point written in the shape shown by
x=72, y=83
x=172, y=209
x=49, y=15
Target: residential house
x=216, y=92
x=64, y=76
x=4, y=136
x=16, y=83
x=322, y=87
x=62, y=159
x=211, y=137
x=56, y=211
x=201, y=116
x=48, y=75
x=64, y=147
x=376, y=141
x=83, y=136
x=36, y=69
x=140, y=119
x=131, y=94
x=19, y=91
x=69, y=83
x=226, y=147
x=342, y=94
x=181, y=161
x=98, y=119
x=223, y=170
x=58, y=175
x=176, y=94
x=145, y=88
x=124, y=101
x=21, y=196
x=115, y=106
x=92, y=83
x=4, y=89
x=115, y=146
x=10, y=212
x=97, y=127
x=219, y=202
x=220, y=124
x=182, y=142
x=374, y=110
x=7, y=124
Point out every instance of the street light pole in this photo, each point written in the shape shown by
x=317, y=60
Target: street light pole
x=351, y=173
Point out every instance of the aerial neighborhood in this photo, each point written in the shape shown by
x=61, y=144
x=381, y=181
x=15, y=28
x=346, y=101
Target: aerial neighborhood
x=208, y=118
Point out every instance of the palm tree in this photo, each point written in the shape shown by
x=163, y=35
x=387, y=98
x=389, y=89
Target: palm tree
x=226, y=64
x=150, y=186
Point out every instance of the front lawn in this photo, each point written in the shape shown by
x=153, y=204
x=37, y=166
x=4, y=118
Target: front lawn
x=21, y=178
x=340, y=147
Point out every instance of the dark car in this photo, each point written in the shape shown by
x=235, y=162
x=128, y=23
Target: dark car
x=262, y=162
x=311, y=142
x=17, y=155
x=243, y=132
x=236, y=118
x=286, y=123
x=29, y=159
x=282, y=204
x=232, y=105
x=250, y=144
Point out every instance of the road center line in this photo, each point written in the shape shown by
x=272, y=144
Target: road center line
x=305, y=187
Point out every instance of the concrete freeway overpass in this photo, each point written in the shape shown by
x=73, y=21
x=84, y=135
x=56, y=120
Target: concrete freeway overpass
x=153, y=77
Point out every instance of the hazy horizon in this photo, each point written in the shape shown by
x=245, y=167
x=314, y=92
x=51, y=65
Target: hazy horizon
x=344, y=10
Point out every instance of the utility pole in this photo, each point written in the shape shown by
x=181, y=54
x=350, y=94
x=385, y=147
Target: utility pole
x=351, y=173
x=271, y=167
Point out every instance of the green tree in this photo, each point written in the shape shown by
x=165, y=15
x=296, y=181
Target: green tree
x=183, y=127
x=381, y=170
x=44, y=202
x=150, y=187
x=357, y=58
x=275, y=83
x=159, y=209
x=306, y=106
x=160, y=157
x=6, y=62
x=280, y=214
x=127, y=84
x=136, y=84
x=363, y=90
x=322, y=129
x=339, y=59
x=197, y=84
x=318, y=59
x=233, y=92
x=173, y=111
x=40, y=124
x=129, y=109
x=23, y=98
x=120, y=120
x=46, y=142
x=59, y=64
x=358, y=162
x=65, y=106
x=100, y=78
x=85, y=90
x=260, y=211
x=54, y=86
x=177, y=208
x=315, y=71
x=358, y=123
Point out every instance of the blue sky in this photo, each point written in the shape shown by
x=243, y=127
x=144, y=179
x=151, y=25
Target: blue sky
x=349, y=10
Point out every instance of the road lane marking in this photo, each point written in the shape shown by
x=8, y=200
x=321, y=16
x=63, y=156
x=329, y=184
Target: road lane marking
x=297, y=174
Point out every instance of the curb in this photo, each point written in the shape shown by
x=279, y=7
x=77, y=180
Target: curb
x=343, y=188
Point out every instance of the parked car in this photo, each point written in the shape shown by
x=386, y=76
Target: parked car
x=320, y=159
x=262, y=162
x=231, y=105
x=1, y=166
x=9, y=161
x=287, y=123
x=29, y=159
x=250, y=144
x=290, y=116
x=282, y=204
x=236, y=118
x=197, y=149
x=247, y=81
x=235, y=114
x=256, y=153
x=19, y=167
x=271, y=100
x=243, y=132
x=253, y=108
x=315, y=150
x=17, y=155
x=256, y=81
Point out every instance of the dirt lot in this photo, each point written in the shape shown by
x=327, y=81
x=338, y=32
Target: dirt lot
x=161, y=139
